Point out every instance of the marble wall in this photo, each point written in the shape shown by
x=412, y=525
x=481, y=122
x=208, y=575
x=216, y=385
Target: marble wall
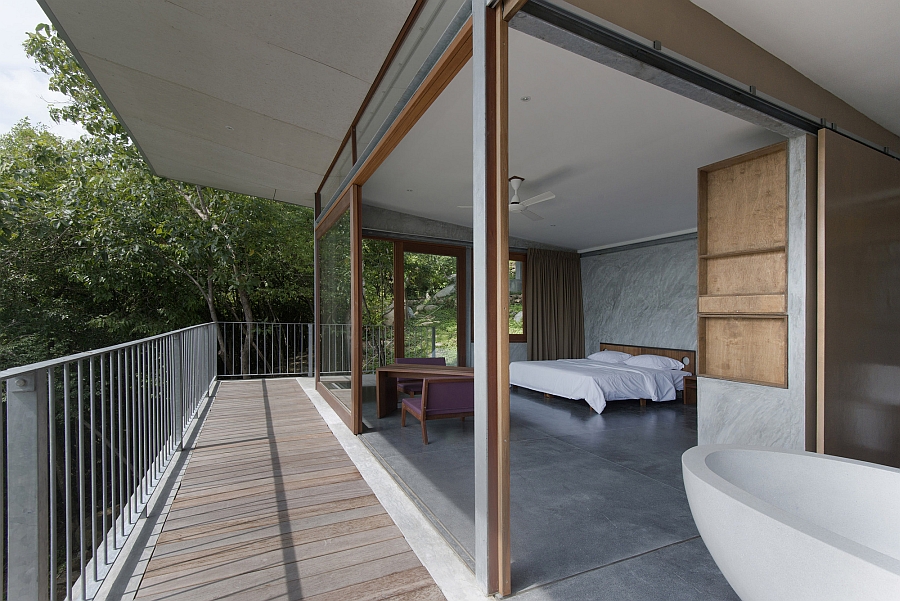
x=641, y=296
x=748, y=414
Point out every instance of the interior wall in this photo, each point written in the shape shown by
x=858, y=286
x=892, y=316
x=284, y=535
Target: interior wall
x=641, y=296
x=749, y=414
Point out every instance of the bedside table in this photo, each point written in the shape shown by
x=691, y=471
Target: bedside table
x=690, y=390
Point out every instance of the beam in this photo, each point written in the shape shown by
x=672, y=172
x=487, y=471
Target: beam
x=511, y=7
x=491, y=297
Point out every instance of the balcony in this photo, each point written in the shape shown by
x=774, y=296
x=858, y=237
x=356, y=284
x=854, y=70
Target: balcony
x=157, y=470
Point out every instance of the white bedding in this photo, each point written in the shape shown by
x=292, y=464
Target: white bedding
x=597, y=382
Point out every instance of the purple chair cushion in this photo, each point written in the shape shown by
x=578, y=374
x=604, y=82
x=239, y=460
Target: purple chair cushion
x=413, y=404
x=450, y=397
x=413, y=386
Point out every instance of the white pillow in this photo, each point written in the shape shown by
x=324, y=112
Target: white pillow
x=654, y=362
x=609, y=356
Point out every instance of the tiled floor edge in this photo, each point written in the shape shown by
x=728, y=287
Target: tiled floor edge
x=450, y=573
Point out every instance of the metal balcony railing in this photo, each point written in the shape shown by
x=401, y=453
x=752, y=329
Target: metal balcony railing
x=88, y=437
x=267, y=349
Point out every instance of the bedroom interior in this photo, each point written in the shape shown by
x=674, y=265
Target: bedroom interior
x=721, y=178
x=693, y=214
x=621, y=156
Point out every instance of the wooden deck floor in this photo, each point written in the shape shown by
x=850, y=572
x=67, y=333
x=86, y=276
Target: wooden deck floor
x=270, y=507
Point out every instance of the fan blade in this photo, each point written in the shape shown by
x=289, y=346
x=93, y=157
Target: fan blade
x=539, y=198
x=531, y=215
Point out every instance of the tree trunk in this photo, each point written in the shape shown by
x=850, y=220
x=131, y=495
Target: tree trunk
x=248, y=339
x=210, y=302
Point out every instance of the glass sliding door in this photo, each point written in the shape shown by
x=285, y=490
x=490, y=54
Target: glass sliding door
x=434, y=298
x=378, y=304
x=338, y=238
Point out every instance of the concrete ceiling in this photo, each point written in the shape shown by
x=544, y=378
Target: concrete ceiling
x=253, y=97
x=620, y=154
x=848, y=48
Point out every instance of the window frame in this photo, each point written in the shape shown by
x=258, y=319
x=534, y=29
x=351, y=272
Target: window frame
x=523, y=337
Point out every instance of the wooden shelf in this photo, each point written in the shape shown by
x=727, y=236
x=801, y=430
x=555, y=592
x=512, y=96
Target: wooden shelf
x=746, y=304
x=749, y=251
x=730, y=379
x=742, y=268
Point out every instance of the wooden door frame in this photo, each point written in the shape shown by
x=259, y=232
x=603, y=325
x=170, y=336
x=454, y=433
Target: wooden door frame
x=462, y=309
x=350, y=201
x=490, y=260
x=523, y=337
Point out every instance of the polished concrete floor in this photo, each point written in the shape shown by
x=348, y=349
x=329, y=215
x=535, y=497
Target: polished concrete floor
x=598, y=509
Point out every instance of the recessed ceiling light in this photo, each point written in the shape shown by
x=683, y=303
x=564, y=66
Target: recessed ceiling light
x=526, y=98
x=409, y=190
x=229, y=128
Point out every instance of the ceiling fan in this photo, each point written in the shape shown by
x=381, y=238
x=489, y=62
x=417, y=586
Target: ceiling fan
x=521, y=206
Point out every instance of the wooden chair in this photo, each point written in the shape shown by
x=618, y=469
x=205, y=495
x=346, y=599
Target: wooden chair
x=413, y=386
x=442, y=398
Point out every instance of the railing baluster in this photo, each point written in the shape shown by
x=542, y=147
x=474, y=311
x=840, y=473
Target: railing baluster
x=51, y=435
x=81, y=474
x=130, y=404
x=103, y=499
x=93, y=455
x=68, y=474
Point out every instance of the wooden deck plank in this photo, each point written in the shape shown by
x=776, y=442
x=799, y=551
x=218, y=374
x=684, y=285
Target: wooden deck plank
x=270, y=507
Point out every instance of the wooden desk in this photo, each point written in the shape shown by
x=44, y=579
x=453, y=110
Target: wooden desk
x=690, y=390
x=386, y=378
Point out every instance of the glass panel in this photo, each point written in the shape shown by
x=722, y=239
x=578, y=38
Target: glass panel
x=426, y=32
x=338, y=173
x=516, y=294
x=334, y=309
x=431, y=304
x=378, y=304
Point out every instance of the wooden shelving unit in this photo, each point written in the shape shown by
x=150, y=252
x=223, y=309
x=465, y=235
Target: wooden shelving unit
x=742, y=288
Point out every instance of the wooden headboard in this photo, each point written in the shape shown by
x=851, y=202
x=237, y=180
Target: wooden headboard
x=677, y=354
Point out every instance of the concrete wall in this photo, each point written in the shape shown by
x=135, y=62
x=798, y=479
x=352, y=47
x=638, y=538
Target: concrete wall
x=738, y=413
x=643, y=296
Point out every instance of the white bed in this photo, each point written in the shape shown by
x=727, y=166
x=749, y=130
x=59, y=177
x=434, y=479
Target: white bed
x=597, y=382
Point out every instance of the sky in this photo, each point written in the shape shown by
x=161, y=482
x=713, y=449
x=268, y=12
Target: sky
x=23, y=88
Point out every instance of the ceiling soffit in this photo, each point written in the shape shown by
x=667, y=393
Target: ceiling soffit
x=233, y=94
x=848, y=48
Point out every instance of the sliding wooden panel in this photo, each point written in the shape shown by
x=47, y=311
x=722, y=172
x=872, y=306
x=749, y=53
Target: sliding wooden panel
x=742, y=287
x=859, y=312
x=728, y=342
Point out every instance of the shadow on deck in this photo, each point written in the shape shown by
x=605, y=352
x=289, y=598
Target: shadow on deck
x=271, y=507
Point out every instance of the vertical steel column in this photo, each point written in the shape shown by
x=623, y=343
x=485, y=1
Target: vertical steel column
x=179, y=391
x=491, y=296
x=28, y=473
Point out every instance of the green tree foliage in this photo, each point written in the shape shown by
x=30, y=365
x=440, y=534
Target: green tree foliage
x=95, y=249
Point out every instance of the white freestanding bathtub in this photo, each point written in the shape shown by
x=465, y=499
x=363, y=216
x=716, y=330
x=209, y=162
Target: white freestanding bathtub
x=794, y=525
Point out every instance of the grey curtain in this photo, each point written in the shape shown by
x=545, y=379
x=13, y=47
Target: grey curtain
x=555, y=316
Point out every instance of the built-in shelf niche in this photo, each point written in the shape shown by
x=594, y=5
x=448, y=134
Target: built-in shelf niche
x=742, y=248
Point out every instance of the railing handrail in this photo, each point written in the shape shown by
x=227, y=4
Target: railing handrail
x=24, y=369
